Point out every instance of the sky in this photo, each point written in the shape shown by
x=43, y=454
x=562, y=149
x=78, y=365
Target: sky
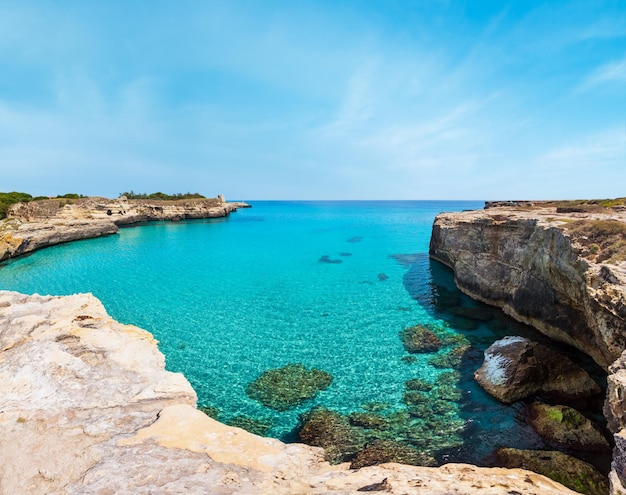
x=325, y=99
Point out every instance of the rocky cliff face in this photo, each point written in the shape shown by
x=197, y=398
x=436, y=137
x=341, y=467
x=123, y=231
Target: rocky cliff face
x=526, y=262
x=34, y=225
x=539, y=264
x=87, y=407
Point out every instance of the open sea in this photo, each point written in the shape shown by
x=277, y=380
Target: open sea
x=327, y=284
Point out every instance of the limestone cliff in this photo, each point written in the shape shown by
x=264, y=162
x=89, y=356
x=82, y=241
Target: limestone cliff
x=87, y=407
x=34, y=225
x=526, y=261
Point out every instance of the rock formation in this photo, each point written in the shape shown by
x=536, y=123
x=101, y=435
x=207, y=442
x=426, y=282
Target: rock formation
x=37, y=224
x=515, y=368
x=558, y=268
x=525, y=261
x=87, y=408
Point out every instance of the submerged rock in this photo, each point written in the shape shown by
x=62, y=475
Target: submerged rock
x=327, y=259
x=382, y=451
x=382, y=277
x=455, y=357
x=286, y=387
x=418, y=384
x=322, y=427
x=516, y=367
x=420, y=339
x=565, y=469
x=566, y=427
x=210, y=411
x=253, y=425
x=369, y=420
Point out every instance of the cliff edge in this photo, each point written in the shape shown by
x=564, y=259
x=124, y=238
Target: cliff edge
x=87, y=407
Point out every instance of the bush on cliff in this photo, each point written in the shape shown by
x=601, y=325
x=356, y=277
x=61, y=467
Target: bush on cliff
x=7, y=199
x=162, y=196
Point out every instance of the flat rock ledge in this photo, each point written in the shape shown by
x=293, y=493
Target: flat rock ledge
x=88, y=408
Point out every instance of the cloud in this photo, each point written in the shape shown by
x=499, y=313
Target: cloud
x=596, y=153
x=610, y=72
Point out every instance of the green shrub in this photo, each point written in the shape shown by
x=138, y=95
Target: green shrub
x=7, y=199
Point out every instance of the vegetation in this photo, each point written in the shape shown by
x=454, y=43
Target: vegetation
x=159, y=195
x=7, y=199
x=605, y=240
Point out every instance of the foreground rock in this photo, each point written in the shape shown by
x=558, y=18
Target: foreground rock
x=516, y=367
x=38, y=224
x=572, y=472
x=87, y=408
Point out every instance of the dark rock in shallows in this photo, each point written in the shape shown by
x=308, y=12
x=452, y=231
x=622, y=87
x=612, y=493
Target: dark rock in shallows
x=382, y=277
x=369, y=420
x=286, y=387
x=516, y=367
x=565, y=469
x=332, y=431
x=420, y=339
x=326, y=259
x=354, y=239
x=565, y=427
x=381, y=451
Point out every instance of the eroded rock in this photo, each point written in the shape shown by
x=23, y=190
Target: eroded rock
x=516, y=367
x=565, y=427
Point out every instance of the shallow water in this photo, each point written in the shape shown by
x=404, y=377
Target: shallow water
x=325, y=284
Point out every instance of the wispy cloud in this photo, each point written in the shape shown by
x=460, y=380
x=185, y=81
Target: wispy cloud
x=611, y=72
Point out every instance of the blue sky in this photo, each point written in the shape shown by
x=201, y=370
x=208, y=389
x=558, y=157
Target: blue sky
x=383, y=99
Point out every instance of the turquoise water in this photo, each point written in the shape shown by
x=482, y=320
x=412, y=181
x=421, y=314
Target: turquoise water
x=325, y=284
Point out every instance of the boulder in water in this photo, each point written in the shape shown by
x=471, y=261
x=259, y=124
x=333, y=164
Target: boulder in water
x=516, y=367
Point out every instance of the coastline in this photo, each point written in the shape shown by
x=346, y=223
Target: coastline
x=39, y=224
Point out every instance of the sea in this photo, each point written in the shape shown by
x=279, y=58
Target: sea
x=329, y=285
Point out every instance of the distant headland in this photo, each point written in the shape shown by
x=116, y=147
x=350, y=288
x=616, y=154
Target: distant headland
x=28, y=223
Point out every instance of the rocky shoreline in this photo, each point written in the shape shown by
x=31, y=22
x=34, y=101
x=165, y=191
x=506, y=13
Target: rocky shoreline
x=559, y=269
x=88, y=407
x=38, y=224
